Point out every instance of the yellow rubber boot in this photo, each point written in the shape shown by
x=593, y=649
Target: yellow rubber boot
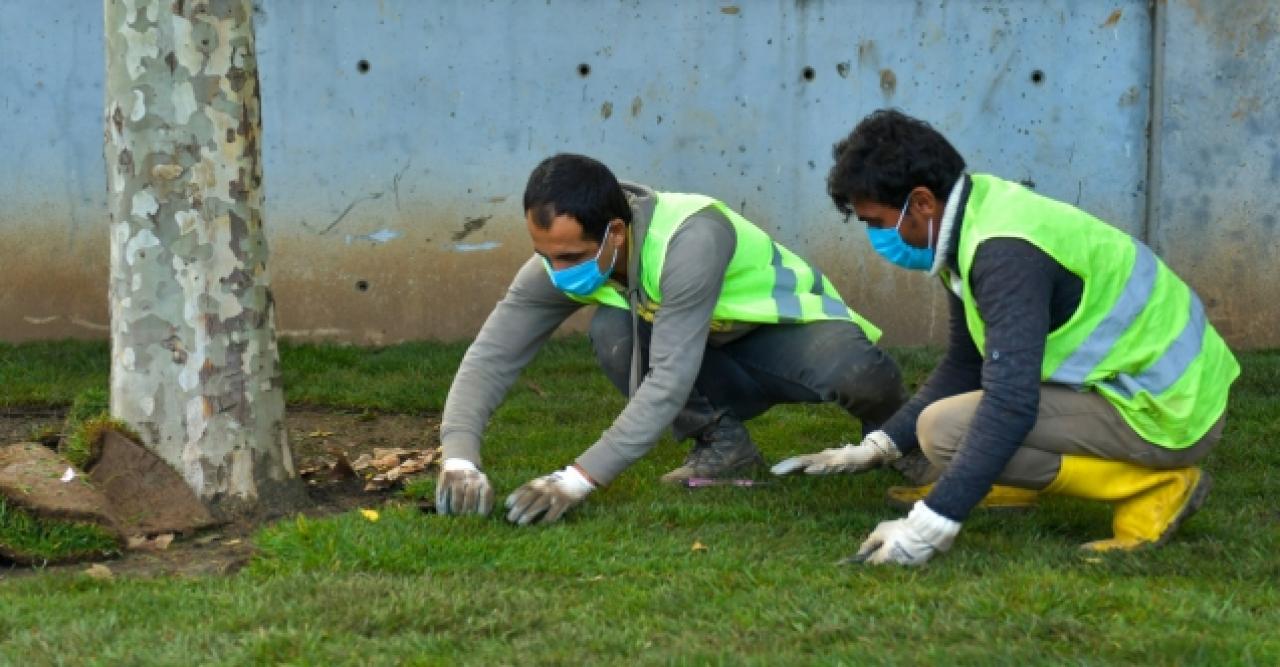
x=1149, y=504
x=1000, y=497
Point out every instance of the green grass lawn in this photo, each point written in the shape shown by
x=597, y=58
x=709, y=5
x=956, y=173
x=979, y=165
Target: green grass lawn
x=619, y=581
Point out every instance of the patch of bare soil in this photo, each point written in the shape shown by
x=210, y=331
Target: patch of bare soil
x=324, y=442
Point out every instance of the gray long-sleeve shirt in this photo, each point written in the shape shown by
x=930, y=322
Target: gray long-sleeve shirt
x=693, y=273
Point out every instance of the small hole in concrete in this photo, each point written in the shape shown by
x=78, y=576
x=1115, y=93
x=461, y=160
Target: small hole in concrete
x=584, y=69
x=807, y=73
x=362, y=66
x=362, y=285
x=1037, y=76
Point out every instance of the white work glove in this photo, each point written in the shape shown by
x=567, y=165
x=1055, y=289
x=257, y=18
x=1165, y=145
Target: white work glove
x=463, y=489
x=548, y=496
x=909, y=541
x=874, y=450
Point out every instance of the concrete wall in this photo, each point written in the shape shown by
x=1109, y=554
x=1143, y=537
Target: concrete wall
x=398, y=135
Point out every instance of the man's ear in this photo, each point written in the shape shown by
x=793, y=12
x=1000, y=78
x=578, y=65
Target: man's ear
x=923, y=201
x=617, y=232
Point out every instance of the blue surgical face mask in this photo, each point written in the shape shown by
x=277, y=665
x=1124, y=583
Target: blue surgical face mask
x=889, y=244
x=585, y=278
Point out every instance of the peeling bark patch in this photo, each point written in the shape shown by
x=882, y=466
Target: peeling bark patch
x=236, y=77
x=237, y=190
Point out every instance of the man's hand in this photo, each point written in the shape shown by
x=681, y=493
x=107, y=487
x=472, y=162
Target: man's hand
x=876, y=449
x=548, y=497
x=909, y=541
x=463, y=489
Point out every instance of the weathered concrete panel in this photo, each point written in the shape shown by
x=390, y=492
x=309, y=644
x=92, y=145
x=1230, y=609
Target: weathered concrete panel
x=398, y=136
x=1216, y=223
x=422, y=120
x=53, y=211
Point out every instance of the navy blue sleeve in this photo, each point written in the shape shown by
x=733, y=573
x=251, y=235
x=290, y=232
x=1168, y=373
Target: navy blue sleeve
x=959, y=371
x=1013, y=287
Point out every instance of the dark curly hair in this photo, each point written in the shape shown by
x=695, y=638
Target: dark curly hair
x=578, y=186
x=886, y=156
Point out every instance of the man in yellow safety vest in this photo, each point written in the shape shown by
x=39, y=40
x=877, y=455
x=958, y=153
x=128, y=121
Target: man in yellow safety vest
x=704, y=321
x=1078, y=363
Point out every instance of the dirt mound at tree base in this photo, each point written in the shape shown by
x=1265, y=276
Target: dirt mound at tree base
x=144, y=493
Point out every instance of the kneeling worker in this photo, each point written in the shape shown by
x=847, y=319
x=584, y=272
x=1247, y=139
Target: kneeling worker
x=730, y=323
x=1078, y=363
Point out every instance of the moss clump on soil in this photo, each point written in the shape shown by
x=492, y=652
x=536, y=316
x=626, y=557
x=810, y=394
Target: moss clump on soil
x=87, y=422
x=26, y=538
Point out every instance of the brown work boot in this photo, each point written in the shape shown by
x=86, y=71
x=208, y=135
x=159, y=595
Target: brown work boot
x=723, y=450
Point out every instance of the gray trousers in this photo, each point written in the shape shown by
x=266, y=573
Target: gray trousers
x=818, y=362
x=1069, y=423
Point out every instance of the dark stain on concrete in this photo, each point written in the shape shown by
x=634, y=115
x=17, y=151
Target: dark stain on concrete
x=345, y=211
x=888, y=82
x=867, y=53
x=1130, y=97
x=470, y=226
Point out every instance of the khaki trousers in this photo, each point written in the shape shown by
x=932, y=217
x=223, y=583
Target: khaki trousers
x=1069, y=422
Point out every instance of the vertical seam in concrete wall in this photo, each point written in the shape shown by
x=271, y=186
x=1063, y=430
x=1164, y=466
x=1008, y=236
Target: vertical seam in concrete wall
x=1155, y=123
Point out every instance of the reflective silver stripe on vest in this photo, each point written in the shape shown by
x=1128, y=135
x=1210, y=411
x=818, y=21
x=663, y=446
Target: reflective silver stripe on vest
x=831, y=306
x=1133, y=298
x=784, y=290
x=1171, y=365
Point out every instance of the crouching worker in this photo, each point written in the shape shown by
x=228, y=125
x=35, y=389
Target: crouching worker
x=1078, y=364
x=729, y=323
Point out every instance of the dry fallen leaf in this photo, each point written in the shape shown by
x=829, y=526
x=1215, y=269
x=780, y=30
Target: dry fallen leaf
x=143, y=543
x=698, y=546
x=362, y=462
x=386, y=462
x=99, y=571
x=371, y=515
x=411, y=466
x=319, y=434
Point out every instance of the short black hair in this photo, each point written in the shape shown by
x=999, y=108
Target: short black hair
x=888, y=155
x=578, y=186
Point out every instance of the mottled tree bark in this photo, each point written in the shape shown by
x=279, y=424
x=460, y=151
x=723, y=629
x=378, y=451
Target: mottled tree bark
x=194, y=363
